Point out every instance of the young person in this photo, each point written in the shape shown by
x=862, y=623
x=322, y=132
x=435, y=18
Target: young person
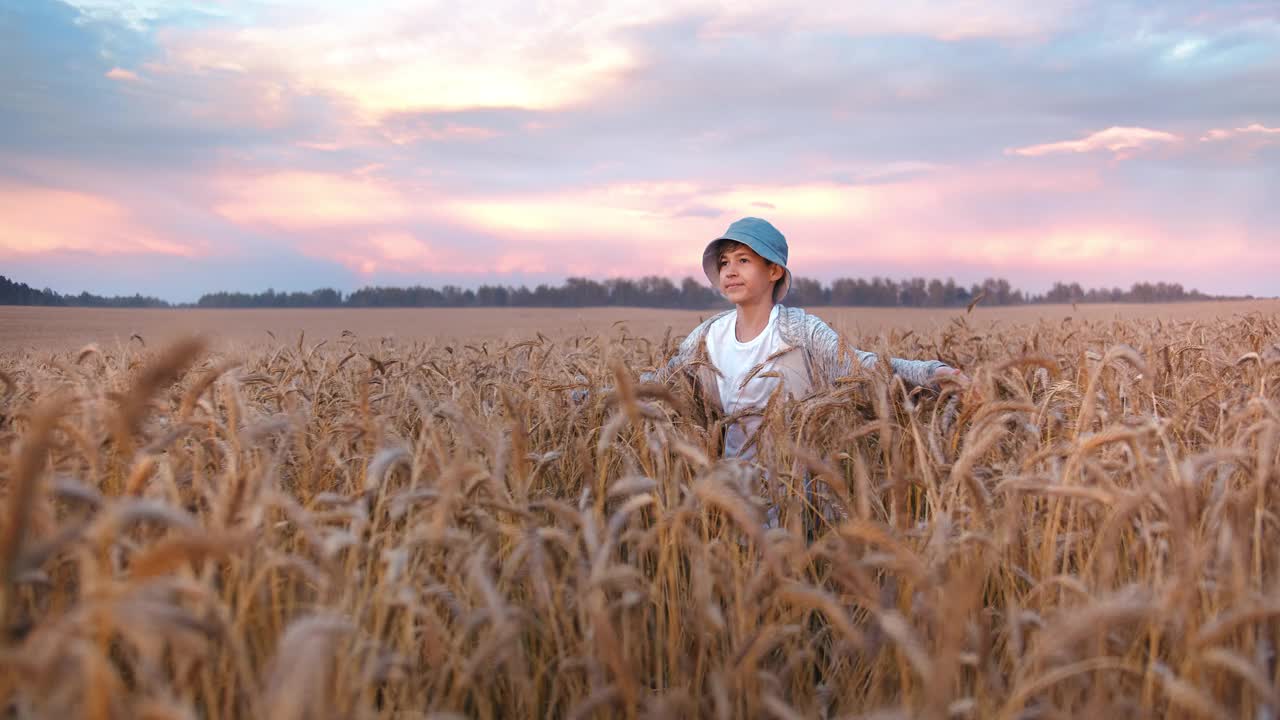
x=761, y=344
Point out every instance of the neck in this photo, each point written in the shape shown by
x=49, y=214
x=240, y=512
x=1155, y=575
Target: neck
x=752, y=319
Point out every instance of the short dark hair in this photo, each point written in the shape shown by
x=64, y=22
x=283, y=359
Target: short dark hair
x=727, y=245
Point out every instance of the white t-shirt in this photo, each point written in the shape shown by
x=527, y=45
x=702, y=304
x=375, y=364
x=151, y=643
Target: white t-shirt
x=734, y=360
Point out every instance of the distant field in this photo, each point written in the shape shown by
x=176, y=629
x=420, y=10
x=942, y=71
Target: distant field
x=385, y=530
x=58, y=329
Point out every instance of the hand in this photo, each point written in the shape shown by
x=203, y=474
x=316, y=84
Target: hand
x=577, y=395
x=949, y=375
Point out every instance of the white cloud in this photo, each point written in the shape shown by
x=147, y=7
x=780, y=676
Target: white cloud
x=1119, y=140
x=433, y=55
x=1254, y=130
x=946, y=20
x=141, y=14
x=1185, y=49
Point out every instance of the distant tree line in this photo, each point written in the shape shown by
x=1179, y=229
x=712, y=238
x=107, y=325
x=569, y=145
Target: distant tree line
x=325, y=297
x=660, y=292
x=16, y=293
x=1140, y=292
x=652, y=291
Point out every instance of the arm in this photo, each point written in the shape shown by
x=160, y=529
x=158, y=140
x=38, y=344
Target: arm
x=826, y=347
x=915, y=372
x=686, y=352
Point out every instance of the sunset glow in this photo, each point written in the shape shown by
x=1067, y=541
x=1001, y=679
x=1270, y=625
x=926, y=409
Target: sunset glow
x=331, y=144
x=41, y=221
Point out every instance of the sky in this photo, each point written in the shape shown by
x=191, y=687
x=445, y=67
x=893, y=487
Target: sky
x=175, y=148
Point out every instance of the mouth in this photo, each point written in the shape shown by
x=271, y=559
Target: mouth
x=732, y=286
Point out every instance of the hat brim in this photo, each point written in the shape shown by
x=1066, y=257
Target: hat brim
x=711, y=268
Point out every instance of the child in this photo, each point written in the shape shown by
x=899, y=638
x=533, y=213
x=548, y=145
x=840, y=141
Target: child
x=748, y=264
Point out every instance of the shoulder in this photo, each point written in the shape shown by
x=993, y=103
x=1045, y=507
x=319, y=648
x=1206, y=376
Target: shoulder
x=798, y=327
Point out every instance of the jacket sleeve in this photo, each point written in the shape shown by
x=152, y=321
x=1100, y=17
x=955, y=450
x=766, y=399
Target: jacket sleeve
x=686, y=352
x=826, y=347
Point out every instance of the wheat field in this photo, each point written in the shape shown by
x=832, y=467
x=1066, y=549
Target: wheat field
x=364, y=527
x=68, y=329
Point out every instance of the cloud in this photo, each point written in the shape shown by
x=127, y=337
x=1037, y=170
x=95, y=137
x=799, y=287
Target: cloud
x=700, y=211
x=415, y=56
x=411, y=128
x=137, y=15
x=45, y=220
x=395, y=60
x=304, y=200
x=411, y=252
x=943, y=20
x=661, y=213
x=869, y=94
x=116, y=73
x=1254, y=130
x=1070, y=245
x=426, y=140
x=834, y=227
x=1118, y=140
x=394, y=249
x=1242, y=146
x=65, y=96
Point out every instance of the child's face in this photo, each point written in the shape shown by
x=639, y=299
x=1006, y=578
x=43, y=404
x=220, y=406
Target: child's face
x=745, y=277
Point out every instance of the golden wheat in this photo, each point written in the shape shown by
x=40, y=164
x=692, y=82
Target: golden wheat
x=368, y=529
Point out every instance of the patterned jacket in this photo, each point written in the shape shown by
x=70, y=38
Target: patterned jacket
x=813, y=357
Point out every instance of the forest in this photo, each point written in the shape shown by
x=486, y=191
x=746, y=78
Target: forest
x=650, y=291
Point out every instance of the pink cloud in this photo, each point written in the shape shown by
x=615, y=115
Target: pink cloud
x=297, y=200
x=226, y=94
x=116, y=73
x=356, y=134
x=1229, y=14
x=1253, y=130
x=622, y=210
x=636, y=228
x=444, y=133
x=1065, y=245
x=965, y=221
x=1097, y=247
x=651, y=212
x=389, y=250
x=43, y=221
x=1118, y=140
x=926, y=224
x=375, y=252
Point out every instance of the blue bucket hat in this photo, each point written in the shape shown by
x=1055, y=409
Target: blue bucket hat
x=762, y=238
